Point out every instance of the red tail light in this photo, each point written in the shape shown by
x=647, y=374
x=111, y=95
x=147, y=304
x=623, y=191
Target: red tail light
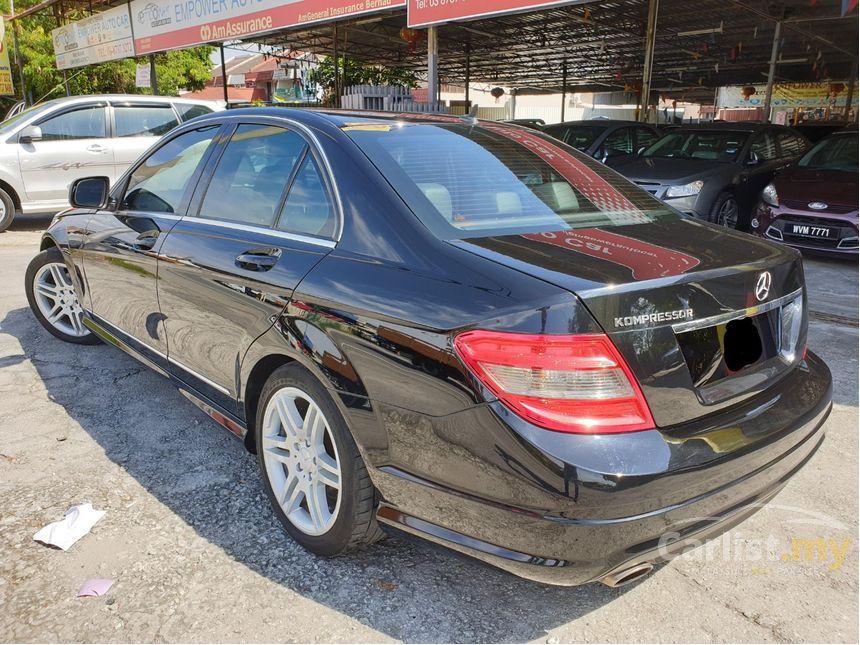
x=577, y=383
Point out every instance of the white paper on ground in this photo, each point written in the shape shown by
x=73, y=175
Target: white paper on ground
x=76, y=523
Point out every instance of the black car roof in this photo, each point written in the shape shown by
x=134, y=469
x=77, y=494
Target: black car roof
x=743, y=126
x=604, y=122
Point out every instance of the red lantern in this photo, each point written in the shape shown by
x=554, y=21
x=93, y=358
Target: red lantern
x=836, y=88
x=411, y=36
x=497, y=93
x=747, y=92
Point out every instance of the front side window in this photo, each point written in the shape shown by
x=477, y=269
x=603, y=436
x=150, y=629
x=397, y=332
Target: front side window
x=189, y=110
x=645, y=138
x=579, y=136
x=144, y=120
x=764, y=146
x=159, y=183
x=790, y=144
x=85, y=123
x=619, y=142
x=472, y=181
x=711, y=145
x=252, y=175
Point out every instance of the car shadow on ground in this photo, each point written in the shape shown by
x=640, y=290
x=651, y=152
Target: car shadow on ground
x=404, y=587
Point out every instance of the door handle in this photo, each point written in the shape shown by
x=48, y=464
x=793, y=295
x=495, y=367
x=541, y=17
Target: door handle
x=145, y=241
x=95, y=147
x=258, y=260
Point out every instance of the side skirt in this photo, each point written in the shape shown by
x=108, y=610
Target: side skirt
x=114, y=337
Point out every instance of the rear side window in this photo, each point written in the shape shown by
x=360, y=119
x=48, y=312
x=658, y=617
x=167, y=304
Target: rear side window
x=85, y=123
x=468, y=181
x=580, y=136
x=188, y=111
x=252, y=175
x=144, y=120
x=308, y=209
x=160, y=182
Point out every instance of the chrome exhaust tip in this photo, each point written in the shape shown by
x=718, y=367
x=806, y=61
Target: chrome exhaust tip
x=626, y=576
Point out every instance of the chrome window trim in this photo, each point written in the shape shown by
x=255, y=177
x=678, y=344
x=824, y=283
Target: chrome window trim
x=209, y=382
x=719, y=319
x=264, y=230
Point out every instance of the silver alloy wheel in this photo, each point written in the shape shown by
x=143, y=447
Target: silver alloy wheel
x=301, y=461
x=728, y=215
x=56, y=299
x=2, y=209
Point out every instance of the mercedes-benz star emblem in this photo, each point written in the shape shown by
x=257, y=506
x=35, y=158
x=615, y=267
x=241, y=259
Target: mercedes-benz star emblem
x=762, y=286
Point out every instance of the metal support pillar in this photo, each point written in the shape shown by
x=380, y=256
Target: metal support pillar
x=153, y=77
x=336, y=66
x=563, y=87
x=224, y=75
x=771, y=72
x=650, y=40
x=432, y=65
x=18, y=60
x=468, y=73
x=66, y=83
x=851, y=86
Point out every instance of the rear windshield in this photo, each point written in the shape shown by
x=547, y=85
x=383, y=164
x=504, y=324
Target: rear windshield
x=838, y=152
x=579, y=136
x=473, y=181
x=717, y=145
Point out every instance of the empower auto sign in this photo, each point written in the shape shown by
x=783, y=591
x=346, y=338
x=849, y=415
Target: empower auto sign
x=159, y=25
x=422, y=13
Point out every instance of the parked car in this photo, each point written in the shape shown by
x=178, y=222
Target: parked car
x=716, y=171
x=813, y=205
x=604, y=138
x=460, y=328
x=50, y=145
x=534, y=124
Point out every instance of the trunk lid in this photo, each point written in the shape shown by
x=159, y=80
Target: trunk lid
x=679, y=300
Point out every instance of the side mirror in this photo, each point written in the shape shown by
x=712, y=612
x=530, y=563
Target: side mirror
x=30, y=134
x=753, y=159
x=89, y=192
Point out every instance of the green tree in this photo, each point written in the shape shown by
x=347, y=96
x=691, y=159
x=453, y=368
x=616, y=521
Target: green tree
x=175, y=70
x=354, y=72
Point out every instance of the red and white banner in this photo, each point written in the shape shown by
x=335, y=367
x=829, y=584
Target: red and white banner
x=645, y=260
x=423, y=13
x=168, y=24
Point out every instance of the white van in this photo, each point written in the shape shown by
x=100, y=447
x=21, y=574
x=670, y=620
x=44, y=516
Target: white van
x=43, y=149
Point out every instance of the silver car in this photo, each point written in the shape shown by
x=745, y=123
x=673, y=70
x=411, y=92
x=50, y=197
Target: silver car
x=50, y=145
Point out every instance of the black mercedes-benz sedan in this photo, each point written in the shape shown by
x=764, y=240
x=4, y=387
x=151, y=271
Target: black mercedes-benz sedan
x=466, y=330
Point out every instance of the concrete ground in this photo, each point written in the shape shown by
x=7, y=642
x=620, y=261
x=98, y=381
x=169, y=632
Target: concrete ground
x=198, y=556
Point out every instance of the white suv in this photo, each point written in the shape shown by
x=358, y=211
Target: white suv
x=46, y=147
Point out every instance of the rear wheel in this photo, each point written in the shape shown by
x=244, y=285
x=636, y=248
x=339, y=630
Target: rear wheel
x=7, y=210
x=53, y=300
x=725, y=211
x=312, y=471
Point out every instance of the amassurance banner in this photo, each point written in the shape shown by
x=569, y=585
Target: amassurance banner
x=422, y=13
x=789, y=95
x=101, y=37
x=166, y=24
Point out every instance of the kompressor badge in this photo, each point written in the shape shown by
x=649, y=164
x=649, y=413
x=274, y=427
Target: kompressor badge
x=658, y=317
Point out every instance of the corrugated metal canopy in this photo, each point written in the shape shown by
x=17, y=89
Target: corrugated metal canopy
x=603, y=44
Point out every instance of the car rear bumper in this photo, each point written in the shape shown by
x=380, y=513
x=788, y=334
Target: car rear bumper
x=643, y=507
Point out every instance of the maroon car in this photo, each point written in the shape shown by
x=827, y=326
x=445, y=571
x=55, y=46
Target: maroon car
x=813, y=204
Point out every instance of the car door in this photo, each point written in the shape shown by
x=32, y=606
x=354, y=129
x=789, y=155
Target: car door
x=121, y=243
x=261, y=220
x=136, y=126
x=74, y=144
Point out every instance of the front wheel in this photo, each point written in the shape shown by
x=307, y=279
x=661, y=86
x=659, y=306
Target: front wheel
x=312, y=471
x=725, y=211
x=7, y=210
x=53, y=300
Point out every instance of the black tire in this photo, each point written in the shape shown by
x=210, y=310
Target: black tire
x=355, y=523
x=52, y=256
x=725, y=210
x=8, y=210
